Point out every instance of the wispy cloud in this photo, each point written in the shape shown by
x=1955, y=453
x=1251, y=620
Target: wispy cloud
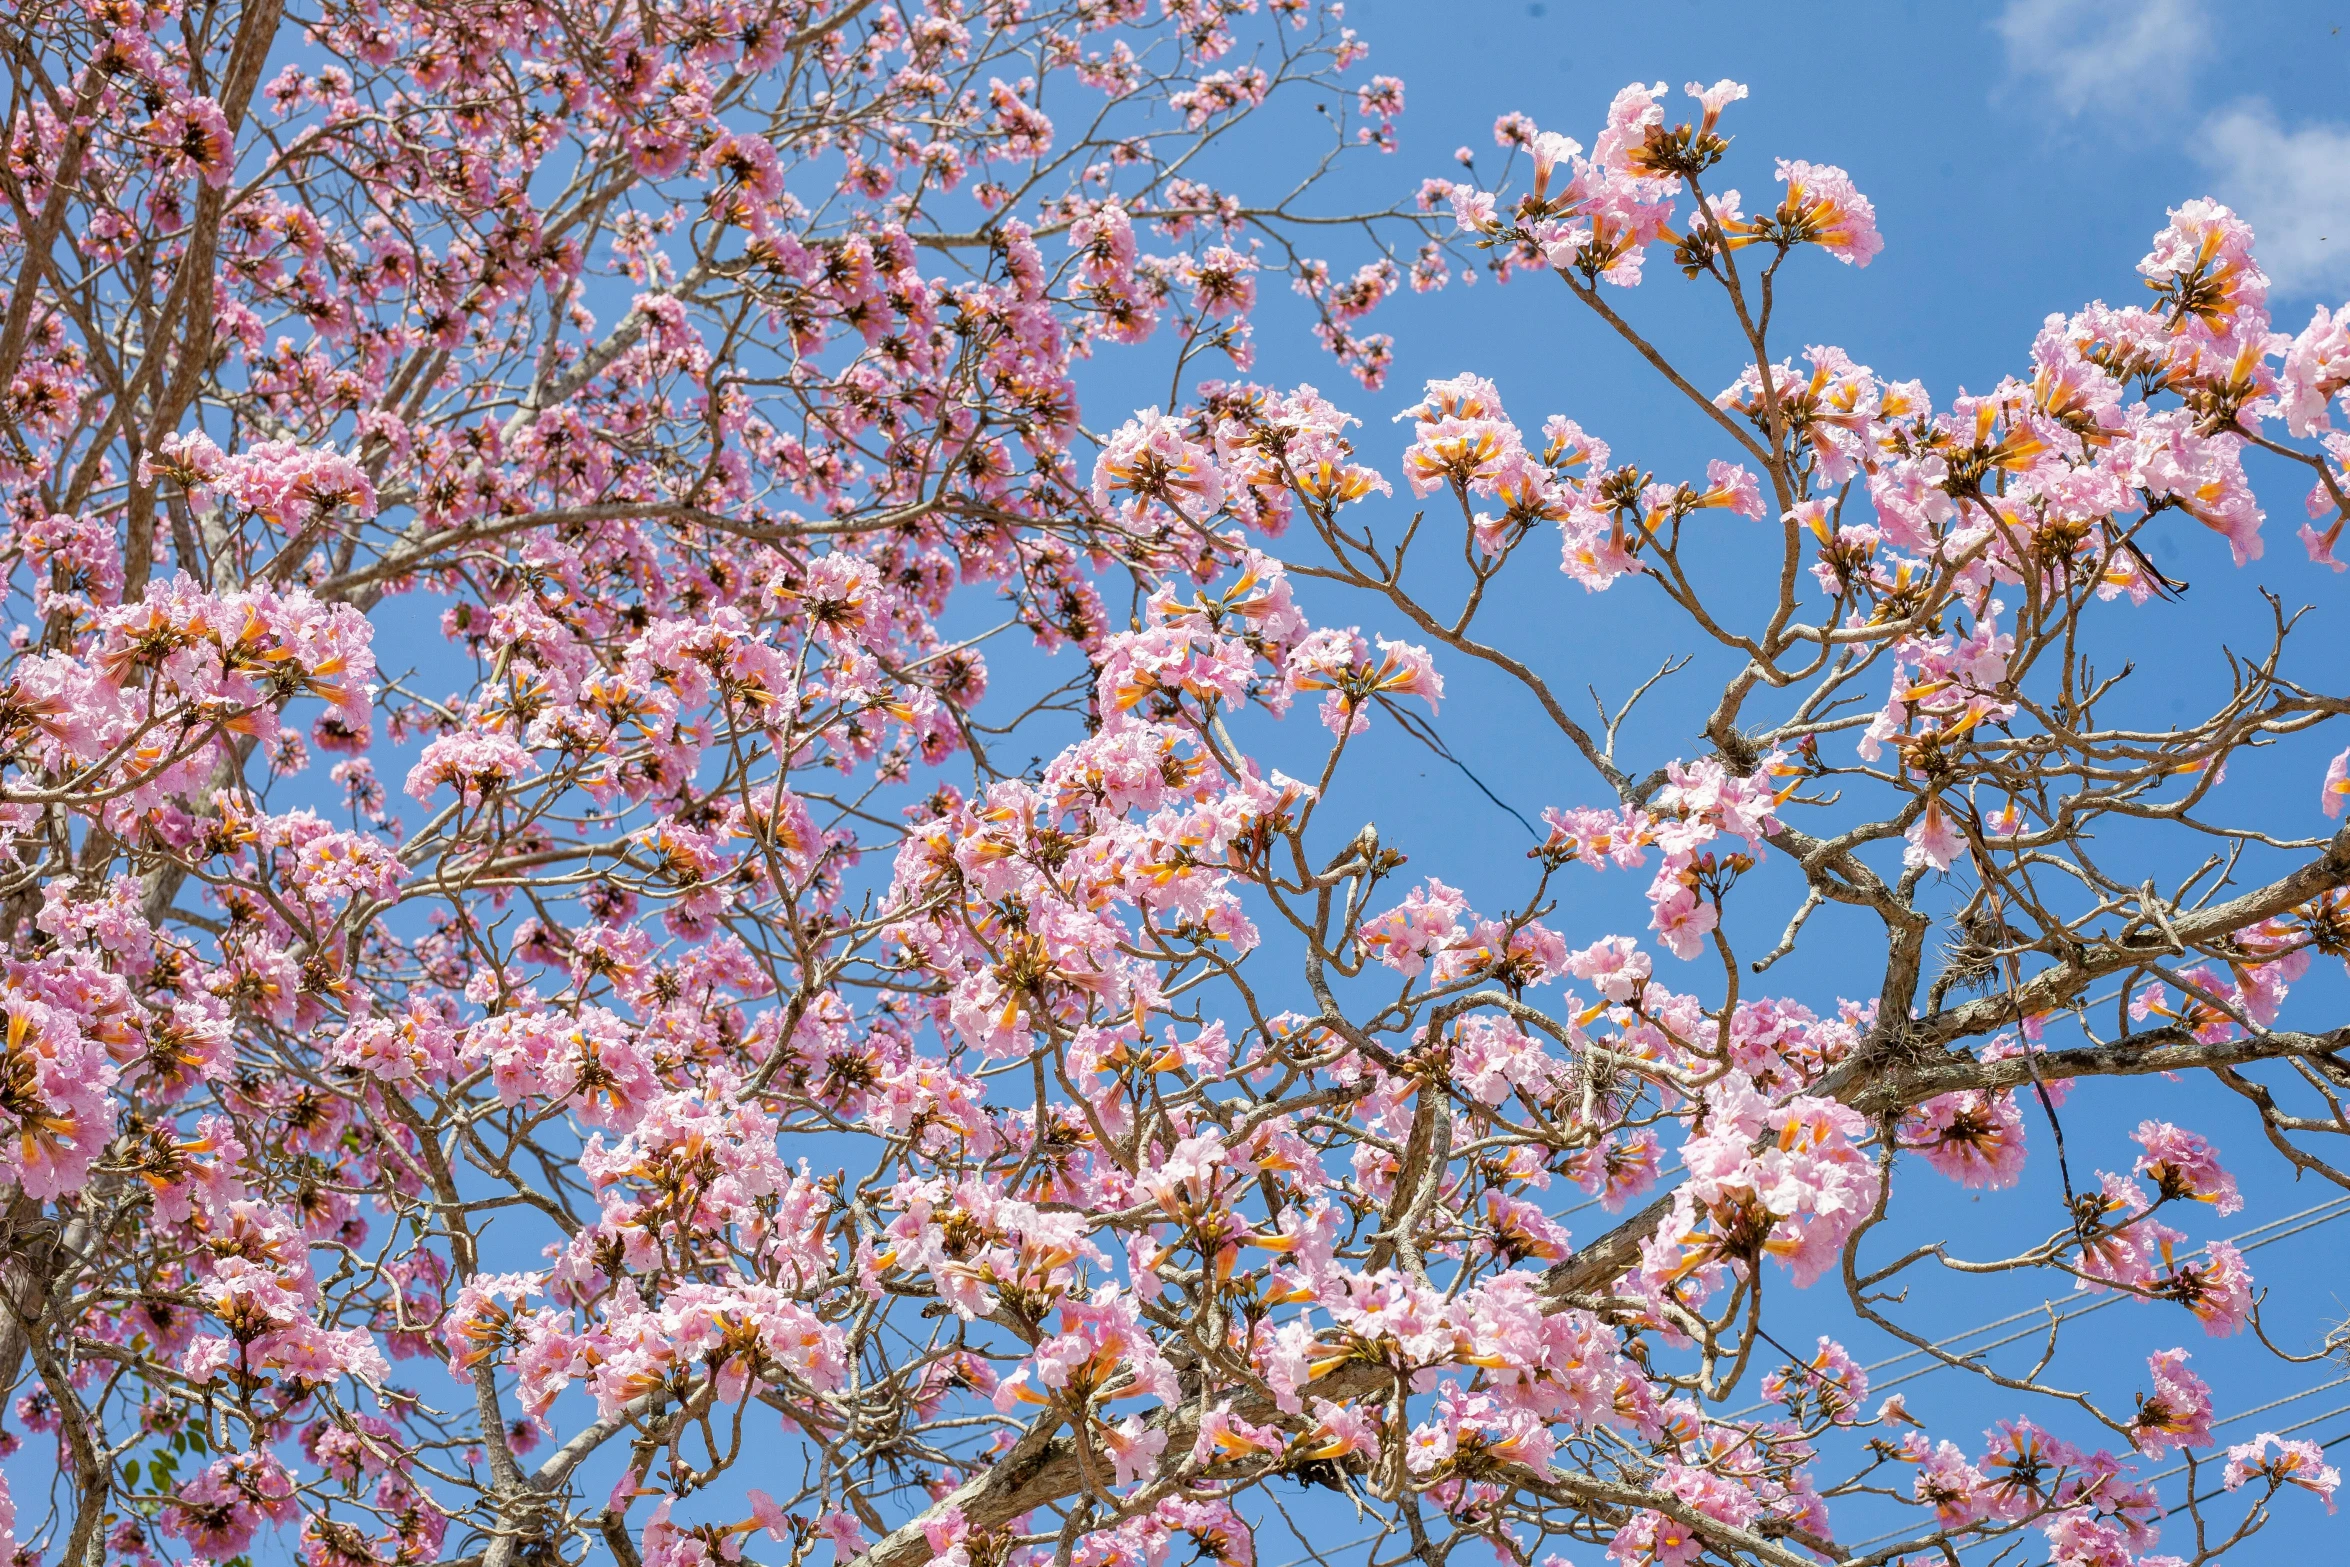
x=2130, y=61
x=2292, y=184
x=2104, y=55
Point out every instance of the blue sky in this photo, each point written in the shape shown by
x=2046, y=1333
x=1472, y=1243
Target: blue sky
x=2019, y=159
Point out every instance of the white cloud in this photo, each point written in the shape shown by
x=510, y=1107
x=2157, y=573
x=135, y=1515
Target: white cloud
x=2292, y=185
x=2129, y=61
x=2106, y=55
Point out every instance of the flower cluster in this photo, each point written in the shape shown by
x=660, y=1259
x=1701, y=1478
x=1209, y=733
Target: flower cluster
x=827, y=944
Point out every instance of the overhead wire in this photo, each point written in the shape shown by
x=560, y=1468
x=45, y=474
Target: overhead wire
x=2301, y=1425
x=2046, y=1313
x=2052, y=1309
x=2178, y=1469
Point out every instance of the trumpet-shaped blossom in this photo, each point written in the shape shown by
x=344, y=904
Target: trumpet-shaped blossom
x=872, y=971
x=2181, y=1164
x=2294, y=1463
x=2177, y=1413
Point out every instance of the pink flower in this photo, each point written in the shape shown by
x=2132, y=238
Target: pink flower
x=1954, y=1488
x=2218, y=1290
x=2183, y=1165
x=1713, y=100
x=845, y=1533
x=1681, y=918
x=1821, y=207
x=1934, y=838
x=1628, y=1167
x=742, y=169
x=220, y=1511
x=1516, y=955
x=63, y=1111
x=1461, y=438
x=2177, y=1413
x=190, y=460
x=2320, y=546
x=1223, y=282
x=1521, y=1230
x=2294, y=1463
x=1406, y=669
x=1150, y=463
x=2317, y=367
x=1170, y=661
x=2202, y=266
x=296, y=486
x=1653, y=1540
x=1615, y=964
x=479, y=765
x=1728, y=484
x=1630, y=116
x=1027, y=131
x=193, y=137
x=1552, y=152
x=1219, y=92
x=1797, y=1199
x=841, y=597
x=1472, y=210
x=1104, y=1350
x=1224, y=1436
x=1104, y=241
x=1597, y=838
x=1595, y=551
x=1339, y=1430
x=2022, y=1468
x=1831, y=1384
x=1133, y=1448
x=1381, y=97
x=1975, y=1138
x=2337, y=785
x=1337, y=661
x=1481, y=1424
x=1405, y=936
x=1710, y=799
x=2077, y=1539
x=480, y=1320
x=767, y=1515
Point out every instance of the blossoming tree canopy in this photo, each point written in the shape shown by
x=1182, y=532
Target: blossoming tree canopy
x=732, y=1111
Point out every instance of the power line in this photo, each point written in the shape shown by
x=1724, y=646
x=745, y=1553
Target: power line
x=2180, y=1469
x=2284, y=1228
x=2172, y=1472
x=2042, y=1314
x=2177, y=1469
x=2275, y=1403
x=2243, y=1240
